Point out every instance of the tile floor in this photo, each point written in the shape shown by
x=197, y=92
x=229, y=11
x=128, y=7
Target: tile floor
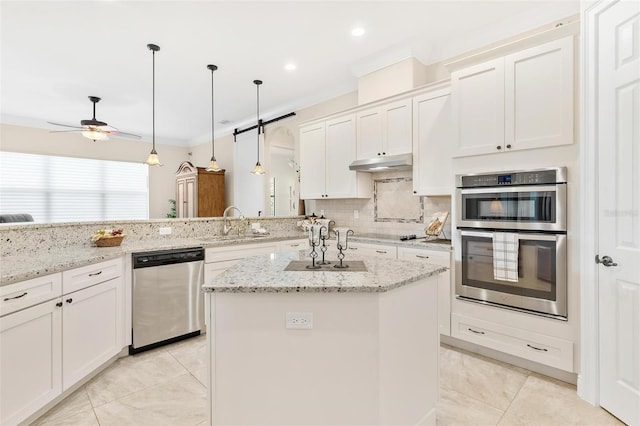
x=165, y=386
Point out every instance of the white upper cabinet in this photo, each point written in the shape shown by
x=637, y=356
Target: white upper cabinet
x=326, y=150
x=312, y=159
x=478, y=108
x=384, y=130
x=432, y=143
x=539, y=96
x=520, y=101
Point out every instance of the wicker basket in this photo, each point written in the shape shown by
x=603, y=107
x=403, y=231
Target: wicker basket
x=110, y=241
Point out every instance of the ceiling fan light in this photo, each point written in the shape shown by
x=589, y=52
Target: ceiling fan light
x=257, y=170
x=95, y=135
x=213, y=166
x=153, y=159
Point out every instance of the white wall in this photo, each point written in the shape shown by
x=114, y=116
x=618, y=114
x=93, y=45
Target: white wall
x=161, y=179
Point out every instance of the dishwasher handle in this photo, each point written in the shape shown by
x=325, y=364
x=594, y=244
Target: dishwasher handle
x=167, y=257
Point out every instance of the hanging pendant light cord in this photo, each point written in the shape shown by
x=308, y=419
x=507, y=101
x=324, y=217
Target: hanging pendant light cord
x=258, y=82
x=213, y=146
x=153, y=97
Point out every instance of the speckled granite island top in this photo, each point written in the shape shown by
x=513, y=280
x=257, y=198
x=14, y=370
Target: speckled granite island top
x=266, y=274
x=43, y=262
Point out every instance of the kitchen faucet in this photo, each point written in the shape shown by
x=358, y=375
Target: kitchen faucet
x=227, y=223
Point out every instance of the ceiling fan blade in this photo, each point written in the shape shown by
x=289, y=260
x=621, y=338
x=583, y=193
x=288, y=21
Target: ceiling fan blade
x=120, y=134
x=64, y=125
x=65, y=131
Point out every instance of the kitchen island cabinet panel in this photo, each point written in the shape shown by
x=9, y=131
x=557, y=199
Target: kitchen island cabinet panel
x=369, y=357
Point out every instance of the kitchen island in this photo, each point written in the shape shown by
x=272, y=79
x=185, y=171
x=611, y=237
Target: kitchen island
x=330, y=347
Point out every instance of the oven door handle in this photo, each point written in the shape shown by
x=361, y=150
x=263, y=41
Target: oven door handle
x=521, y=235
x=499, y=189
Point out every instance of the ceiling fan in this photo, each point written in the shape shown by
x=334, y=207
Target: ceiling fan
x=93, y=129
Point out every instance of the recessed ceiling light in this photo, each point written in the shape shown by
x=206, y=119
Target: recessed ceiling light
x=290, y=66
x=357, y=32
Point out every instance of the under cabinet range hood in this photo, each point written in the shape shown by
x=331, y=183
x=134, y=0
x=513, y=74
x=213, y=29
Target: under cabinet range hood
x=383, y=163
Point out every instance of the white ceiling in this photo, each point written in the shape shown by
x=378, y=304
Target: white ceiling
x=56, y=53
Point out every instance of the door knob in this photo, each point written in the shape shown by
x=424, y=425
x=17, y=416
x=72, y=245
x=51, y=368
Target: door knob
x=606, y=261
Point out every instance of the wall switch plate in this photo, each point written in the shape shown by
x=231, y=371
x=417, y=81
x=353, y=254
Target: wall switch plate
x=299, y=320
x=356, y=214
x=165, y=231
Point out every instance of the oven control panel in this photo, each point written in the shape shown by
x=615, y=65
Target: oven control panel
x=533, y=177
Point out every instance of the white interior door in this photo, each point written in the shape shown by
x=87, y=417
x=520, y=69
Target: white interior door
x=248, y=188
x=618, y=82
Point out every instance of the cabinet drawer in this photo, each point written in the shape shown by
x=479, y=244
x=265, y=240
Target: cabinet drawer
x=21, y=295
x=86, y=276
x=437, y=257
x=217, y=254
x=536, y=347
x=358, y=250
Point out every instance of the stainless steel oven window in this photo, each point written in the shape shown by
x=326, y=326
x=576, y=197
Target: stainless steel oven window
x=523, y=207
x=541, y=285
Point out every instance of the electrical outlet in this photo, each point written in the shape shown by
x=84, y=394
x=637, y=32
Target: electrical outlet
x=356, y=214
x=321, y=213
x=165, y=231
x=299, y=320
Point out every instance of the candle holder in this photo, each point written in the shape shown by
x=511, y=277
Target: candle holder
x=315, y=231
x=342, y=237
x=324, y=236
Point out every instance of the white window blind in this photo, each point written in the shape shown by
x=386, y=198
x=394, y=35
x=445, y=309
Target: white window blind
x=63, y=189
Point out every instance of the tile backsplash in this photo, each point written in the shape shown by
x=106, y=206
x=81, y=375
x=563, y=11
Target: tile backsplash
x=342, y=211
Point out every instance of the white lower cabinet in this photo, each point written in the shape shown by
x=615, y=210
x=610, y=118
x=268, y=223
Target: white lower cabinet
x=92, y=329
x=526, y=344
x=30, y=360
x=48, y=346
x=442, y=258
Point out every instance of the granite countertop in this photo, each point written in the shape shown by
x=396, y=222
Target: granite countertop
x=266, y=274
x=18, y=268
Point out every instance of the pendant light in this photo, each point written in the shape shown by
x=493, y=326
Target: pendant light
x=213, y=164
x=257, y=170
x=153, y=159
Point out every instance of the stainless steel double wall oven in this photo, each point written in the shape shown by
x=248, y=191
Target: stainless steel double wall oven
x=530, y=208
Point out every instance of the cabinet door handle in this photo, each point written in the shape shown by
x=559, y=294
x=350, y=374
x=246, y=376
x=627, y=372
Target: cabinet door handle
x=498, y=147
x=475, y=331
x=59, y=304
x=16, y=297
x=538, y=349
x=69, y=300
x=95, y=273
x=422, y=256
x=381, y=251
x=509, y=146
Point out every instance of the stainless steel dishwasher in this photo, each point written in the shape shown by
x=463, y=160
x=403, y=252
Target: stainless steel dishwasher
x=167, y=299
